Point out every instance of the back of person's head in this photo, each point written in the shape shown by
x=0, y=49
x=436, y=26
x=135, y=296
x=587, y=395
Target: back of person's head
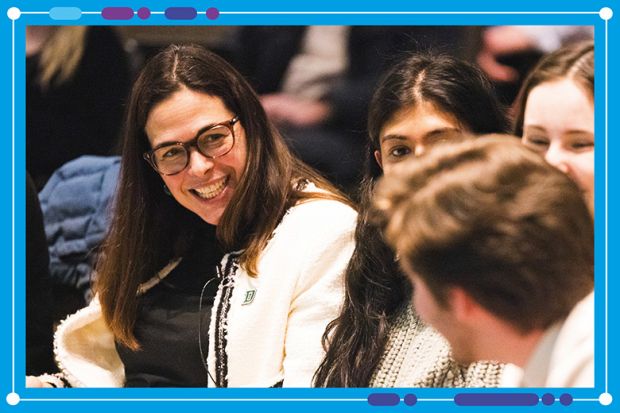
x=453, y=86
x=491, y=217
x=575, y=62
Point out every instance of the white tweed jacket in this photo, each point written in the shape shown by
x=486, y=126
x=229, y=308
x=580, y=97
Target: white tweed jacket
x=265, y=330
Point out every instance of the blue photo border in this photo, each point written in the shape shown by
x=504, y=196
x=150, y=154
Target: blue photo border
x=270, y=12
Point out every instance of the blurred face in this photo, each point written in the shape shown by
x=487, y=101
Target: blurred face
x=206, y=185
x=411, y=131
x=559, y=123
x=462, y=340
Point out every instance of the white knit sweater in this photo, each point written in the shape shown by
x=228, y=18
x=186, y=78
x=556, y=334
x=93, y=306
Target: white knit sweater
x=416, y=355
x=265, y=330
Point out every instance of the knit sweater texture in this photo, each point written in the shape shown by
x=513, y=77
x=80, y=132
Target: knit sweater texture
x=416, y=355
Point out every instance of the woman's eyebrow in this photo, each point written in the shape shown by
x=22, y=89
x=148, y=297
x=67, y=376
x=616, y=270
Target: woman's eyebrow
x=393, y=136
x=536, y=127
x=440, y=131
x=578, y=132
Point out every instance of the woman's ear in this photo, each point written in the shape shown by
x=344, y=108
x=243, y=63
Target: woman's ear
x=378, y=159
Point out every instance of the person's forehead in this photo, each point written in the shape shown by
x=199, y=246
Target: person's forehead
x=182, y=115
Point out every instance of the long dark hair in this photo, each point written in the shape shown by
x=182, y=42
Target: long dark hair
x=574, y=62
x=149, y=227
x=375, y=287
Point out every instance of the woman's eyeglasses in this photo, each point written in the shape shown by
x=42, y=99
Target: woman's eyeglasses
x=172, y=157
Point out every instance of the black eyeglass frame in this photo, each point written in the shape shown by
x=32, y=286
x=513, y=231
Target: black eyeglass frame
x=230, y=124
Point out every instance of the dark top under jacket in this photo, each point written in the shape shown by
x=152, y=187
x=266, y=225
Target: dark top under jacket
x=167, y=323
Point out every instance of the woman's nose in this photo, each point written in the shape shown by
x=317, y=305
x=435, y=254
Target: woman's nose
x=419, y=150
x=558, y=157
x=199, y=164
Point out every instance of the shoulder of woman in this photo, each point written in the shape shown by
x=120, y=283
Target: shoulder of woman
x=320, y=215
x=328, y=209
x=324, y=206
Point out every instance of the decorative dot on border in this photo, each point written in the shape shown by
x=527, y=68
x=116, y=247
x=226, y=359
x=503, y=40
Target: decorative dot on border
x=605, y=399
x=13, y=399
x=212, y=13
x=548, y=399
x=410, y=399
x=144, y=13
x=13, y=13
x=566, y=399
x=606, y=13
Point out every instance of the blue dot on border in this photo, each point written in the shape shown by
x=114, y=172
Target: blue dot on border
x=548, y=399
x=566, y=399
x=410, y=399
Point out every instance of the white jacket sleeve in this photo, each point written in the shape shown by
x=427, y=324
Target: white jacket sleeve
x=318, y=297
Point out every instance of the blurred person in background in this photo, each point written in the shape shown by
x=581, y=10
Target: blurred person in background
x=77, y=79
x=508, y=53
x=555, y=113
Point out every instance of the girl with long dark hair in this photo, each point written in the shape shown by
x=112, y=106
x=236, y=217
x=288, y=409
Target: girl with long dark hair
x=378, y=340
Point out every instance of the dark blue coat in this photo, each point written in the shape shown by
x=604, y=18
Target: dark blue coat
x=76, y=209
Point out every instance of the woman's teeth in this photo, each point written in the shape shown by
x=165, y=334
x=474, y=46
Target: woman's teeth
x=211, y=191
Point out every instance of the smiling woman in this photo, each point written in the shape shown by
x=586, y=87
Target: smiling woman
x=225, y=250
x=555, y=113
x=208, y=176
